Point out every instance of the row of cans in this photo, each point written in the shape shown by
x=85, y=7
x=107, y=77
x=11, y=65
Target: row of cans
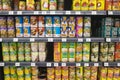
x=29, y=5
x=85, y=52
x=24, y=51
x=45, y=26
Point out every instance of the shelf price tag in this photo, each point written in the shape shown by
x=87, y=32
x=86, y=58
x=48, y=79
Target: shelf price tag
x=80, y=39
x=56, y=64
x=78, y=64
x=33, y=64
x=2, y=64
x=110, y=12
x=0, y=39
x=68, y=12
x=86, y=64
x=96, y=64
x=11, y=12
x=63, y=64
x=15, y=39
x=106, y=64
x=52, y=12
x=88, y=39
x=94, y=12
x=50, y=39
x=32, y=39
x=108, y=39
x=36, y=12
x=19, y=12
x=118, y=64
x=64, y=39
x=77, y=12
x=48, y=64
x=17, y=64
x=44, y=12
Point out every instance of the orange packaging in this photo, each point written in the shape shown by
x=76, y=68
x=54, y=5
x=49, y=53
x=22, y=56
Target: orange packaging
x=84, y=4
x=57, y=57
x=100, y=4
x=117, y=52
x=92, y=5
x=108, y=5
x=115, y=5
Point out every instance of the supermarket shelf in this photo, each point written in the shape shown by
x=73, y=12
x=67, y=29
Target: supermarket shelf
x=59, y=39
x=56, y=64
x=53, y=12
x=113, y=12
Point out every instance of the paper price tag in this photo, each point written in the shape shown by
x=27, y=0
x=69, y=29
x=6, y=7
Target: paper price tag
x=19, y=12
x=11, y=12
x=96, y=64
x=77, y=12
x=108, y=39
x=80, y=40
x=88, y=39
x=52, y=12
x=68, y=12
x=44, y=12
x=78, y=64
x=106, y=64
x=64, y=39
x=36, y=12
x=110, y=12
x=48, y=64
x=15, y=39
x=63, y=64
x=94, y=12
x=56, y=64
x=86, y=64
x=2, y=64
x=0, y=39
x=32, y=39
x=50, y=39
x=33, y=64
x=17, y=64
x=118, y=64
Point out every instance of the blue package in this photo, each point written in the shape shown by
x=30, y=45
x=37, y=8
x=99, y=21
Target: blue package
x=26, y=31
x=19, y=21
x=19, y=32
x=26, y=21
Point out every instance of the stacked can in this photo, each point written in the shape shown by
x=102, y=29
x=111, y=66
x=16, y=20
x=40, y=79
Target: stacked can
x=3, y=26
x=60, y=4
x=10, y=26
x=58, y=73
x=28, y=73
x=41, y=26
x=27, y=52
x=19, y=26
x=5, y=52
x=13, y=73
x=20, y=48
x=50, y=73
x=7, y=73
x=13, y=52
x=20, y=73
x=34, y=73
x=26, y=26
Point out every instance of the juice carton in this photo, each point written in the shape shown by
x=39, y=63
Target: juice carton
x=79, y=26
x=44, y=5
x=52, y=4
x=26, y=21
x=84, y=4
x=100, y=4
x=86, y=52
x=115, y=5
x=56, y=25
x=79, y=73
x=94, y=73
x=72, y=73
x=110, y=74
x=76, y=4
x=71, y=52
x=19, y=21
x=64, y=26
x=117, y=52
x=94, y=52
x=57, y=52
x=92, y=5
x=33, y=21
x=79, y=49
x=103, y=51
x=64, y=52
x=49, y=26
x=103, y=73
x=71, y=28
x=116, y=74
x=30, y=4
x=86, y=73
x=108, y=5
x=111, y=51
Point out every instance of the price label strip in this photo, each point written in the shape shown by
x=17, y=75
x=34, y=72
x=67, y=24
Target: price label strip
x=64, y=40
x=36, y=12
x=33, y=64
x=63, y=64
x=96, y=64
x=0, y=39
x=68, y=12
x=17, y=64
x=2, y=64
x=49, y=64
x=108, y=39
x=118, y=64
x=110, y=12
x=77, y=12
x=15, y=39
x=19, y=12
x=44, y=12
x=86, y=64
x=11, y=12
x=106, y=64
x=50, y=39
x=32, y=39
x=56, y=64
x=94, y=12
x=80, y=39
x=78, y=64
x=88, y=39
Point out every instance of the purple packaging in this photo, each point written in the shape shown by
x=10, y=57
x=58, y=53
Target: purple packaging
x=3, y=32
x=3, y=22
x=10, y=22
x=11, y=32
x=79, y=26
